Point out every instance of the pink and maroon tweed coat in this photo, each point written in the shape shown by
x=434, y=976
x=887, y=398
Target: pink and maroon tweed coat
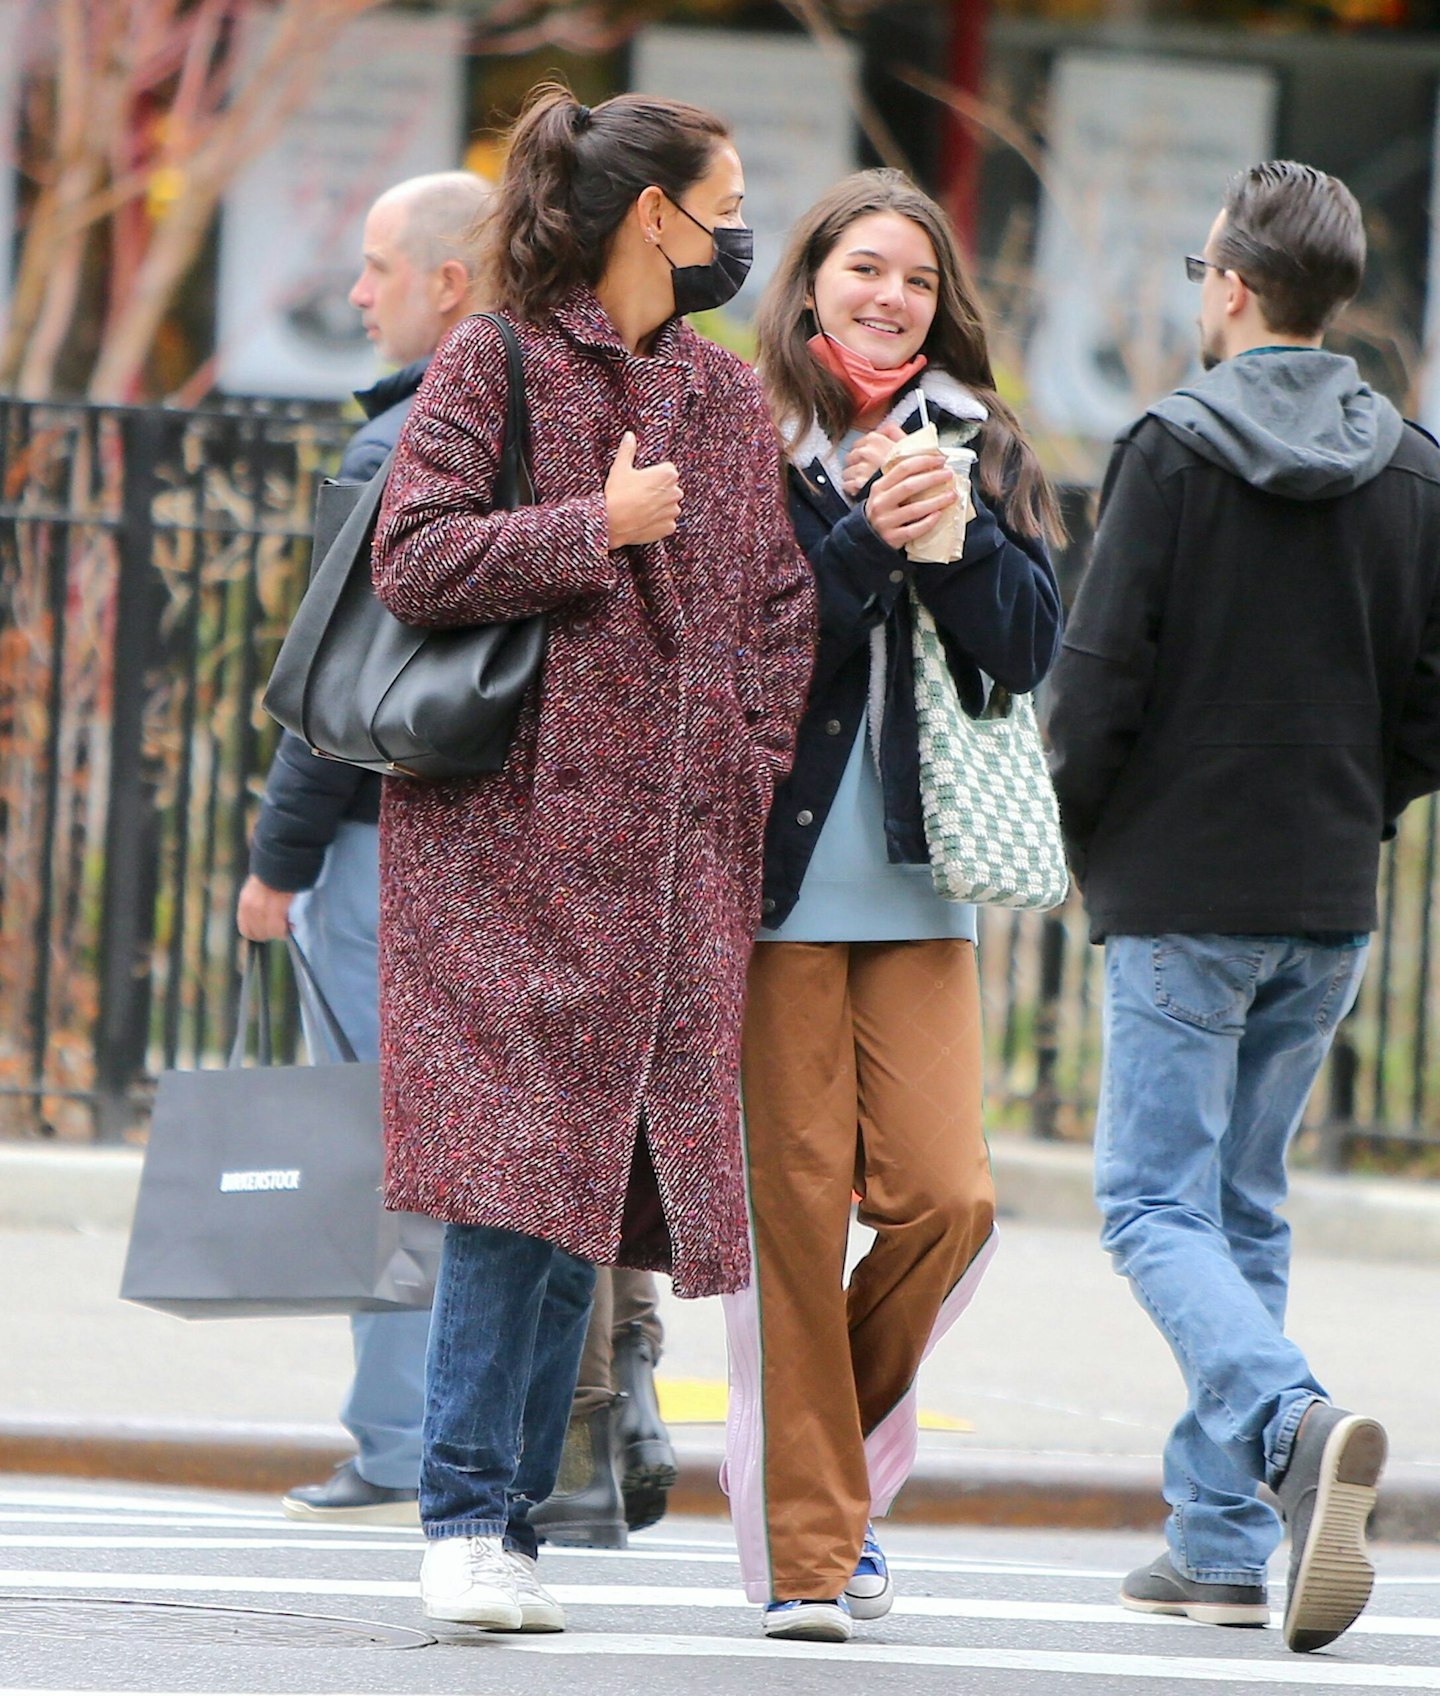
x=563, y=944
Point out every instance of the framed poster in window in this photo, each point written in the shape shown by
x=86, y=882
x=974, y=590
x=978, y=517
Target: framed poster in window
x=788, y=106
x=1139, y=152
x=388, y=107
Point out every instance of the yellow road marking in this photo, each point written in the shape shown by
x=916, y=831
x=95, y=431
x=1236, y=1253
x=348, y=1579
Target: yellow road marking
x=702, y=1401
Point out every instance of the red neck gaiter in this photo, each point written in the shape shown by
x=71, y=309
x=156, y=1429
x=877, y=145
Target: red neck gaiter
x=869, y=387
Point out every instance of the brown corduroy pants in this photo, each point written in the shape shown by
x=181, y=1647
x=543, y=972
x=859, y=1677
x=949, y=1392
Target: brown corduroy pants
x=861, y=1070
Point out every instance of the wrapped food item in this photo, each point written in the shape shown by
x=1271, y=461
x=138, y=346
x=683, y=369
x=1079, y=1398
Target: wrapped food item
x=946, y=541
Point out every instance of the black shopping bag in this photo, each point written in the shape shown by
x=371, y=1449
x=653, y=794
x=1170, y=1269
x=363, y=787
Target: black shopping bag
x=260, y=1192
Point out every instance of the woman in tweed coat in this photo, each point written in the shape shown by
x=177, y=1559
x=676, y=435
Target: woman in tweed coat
x=563, y=944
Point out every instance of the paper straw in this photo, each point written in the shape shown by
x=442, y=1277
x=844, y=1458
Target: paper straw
x=924, y=413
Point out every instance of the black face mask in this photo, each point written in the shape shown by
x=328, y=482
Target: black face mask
x=700, y=288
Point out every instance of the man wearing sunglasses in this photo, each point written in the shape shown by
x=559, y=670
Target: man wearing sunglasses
x=1248, y=697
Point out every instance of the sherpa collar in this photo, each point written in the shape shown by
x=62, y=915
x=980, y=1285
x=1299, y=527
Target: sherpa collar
x=943, y=393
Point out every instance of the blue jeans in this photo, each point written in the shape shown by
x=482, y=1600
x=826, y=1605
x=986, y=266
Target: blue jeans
x=509, y=1323
x=335, y=924
x=1212, y=1044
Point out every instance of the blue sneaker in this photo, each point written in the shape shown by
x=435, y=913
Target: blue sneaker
x=816, y=1622
x=871, y=1592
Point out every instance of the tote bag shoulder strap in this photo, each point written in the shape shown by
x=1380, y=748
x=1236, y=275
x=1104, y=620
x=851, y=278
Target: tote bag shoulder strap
x=514, y=485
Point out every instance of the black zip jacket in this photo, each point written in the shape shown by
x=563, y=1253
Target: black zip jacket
x=1249, y=692
x=997, y=607
x=307, y=798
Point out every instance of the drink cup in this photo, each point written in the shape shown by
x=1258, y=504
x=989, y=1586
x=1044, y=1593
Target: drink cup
x=946, y=541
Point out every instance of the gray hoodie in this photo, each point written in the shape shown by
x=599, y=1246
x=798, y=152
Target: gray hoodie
x=1296, y=422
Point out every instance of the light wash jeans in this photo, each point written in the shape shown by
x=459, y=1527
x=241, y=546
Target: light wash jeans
x=510, y=1318
x=1212, y=1044
x=335, y=924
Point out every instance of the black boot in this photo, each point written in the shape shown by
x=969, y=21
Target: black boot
x=587, y=1509
x=647, y=1460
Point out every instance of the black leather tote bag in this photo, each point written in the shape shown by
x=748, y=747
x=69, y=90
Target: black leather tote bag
x=363, y=688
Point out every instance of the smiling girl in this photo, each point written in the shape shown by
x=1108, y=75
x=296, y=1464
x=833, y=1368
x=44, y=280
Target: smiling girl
x=861, y=1052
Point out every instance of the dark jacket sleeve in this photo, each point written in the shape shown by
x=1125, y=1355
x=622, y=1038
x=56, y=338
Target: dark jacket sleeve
x=1102, y=680
x=858, y=577
x=306, y=798
x=998, y=603
x=1413, y=768
x=366, y=450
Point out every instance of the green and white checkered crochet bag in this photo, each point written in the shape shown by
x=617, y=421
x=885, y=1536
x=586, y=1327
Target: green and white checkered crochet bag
x=991, y=819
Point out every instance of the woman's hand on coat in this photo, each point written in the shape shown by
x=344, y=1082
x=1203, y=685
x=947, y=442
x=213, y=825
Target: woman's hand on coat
x=907, y=501
x=641, y=505
x=867, y=456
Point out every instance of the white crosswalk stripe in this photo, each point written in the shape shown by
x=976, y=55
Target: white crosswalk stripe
x=686, y=1598
x=677, y=1599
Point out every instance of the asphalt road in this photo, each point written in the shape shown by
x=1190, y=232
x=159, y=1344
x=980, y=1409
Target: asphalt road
x=114, y=1588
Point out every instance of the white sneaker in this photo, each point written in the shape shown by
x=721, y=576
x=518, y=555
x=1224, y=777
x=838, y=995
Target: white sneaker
x=539, y=1611
x=812, y=1622
x=470, y=1581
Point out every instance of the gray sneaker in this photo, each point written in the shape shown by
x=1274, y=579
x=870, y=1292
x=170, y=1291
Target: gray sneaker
x=1326, y=1495
x=1159, y=1589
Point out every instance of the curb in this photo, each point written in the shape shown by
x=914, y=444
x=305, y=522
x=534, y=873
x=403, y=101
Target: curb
x=43, y=1187
x=210, y=1457
x=988, y=1487
x=93, y=1189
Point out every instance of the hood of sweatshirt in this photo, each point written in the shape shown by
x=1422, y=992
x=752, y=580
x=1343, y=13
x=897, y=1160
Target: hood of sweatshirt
x=1297, y=422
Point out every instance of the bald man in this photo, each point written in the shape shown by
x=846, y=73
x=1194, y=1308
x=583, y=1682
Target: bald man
x=314, y=858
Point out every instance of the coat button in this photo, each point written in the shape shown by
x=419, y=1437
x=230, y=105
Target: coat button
x=702, y=810
x=753, y=715
x=767, y=905
x=804, y=816
x=832, y=727
x=665, y=647
x=897, y=576
x=567, y=777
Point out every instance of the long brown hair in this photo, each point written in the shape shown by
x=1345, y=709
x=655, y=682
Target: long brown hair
x=571, y=175
x=801, y=389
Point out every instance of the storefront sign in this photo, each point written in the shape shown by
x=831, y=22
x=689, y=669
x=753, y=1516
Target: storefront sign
x=389, y=107
x=787, y=103
x=1140, y=151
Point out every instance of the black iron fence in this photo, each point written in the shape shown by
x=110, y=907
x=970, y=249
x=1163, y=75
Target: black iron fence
x=1379, y=1095
x=149, y=561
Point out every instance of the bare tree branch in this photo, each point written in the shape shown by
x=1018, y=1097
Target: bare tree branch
x=828, y=38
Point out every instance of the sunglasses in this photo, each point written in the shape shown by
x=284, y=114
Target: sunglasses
x=1196, y=266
